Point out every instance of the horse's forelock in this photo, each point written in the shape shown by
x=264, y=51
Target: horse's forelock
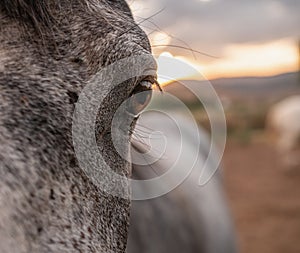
x=36, y=12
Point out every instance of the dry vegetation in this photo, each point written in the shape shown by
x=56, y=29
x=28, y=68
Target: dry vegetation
x=263, y=196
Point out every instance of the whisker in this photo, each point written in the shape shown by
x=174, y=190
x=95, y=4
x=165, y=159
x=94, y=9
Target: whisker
x=141, y=141
x=140, y=128
x=156, y=152
x=147, y=128
x=140, y=134
x=150, y=165
x=182, y=47
x=171, y=36
x=152, y=16
x=141, y=22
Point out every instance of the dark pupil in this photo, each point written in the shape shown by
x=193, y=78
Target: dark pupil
x=142, y=97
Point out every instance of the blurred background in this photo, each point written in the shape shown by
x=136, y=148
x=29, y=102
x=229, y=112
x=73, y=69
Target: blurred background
x=250, y=52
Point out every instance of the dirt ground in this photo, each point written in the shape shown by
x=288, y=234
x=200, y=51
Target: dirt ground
x=264, y=199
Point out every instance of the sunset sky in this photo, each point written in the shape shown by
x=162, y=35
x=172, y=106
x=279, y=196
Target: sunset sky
x=246, y=38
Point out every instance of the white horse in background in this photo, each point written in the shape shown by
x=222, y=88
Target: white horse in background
x=283, y=124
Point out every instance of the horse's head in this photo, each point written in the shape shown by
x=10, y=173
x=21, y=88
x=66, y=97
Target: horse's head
x=49, y=51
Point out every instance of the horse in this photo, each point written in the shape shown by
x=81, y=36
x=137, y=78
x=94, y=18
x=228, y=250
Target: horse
x=283, y=128
x=49, y=52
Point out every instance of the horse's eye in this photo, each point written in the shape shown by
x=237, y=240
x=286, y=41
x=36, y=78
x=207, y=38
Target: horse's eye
x=140, y=97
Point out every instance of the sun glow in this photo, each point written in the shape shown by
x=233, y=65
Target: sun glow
x=178, y=71
x=159, y=38
x=260, y=60
x=240, y=60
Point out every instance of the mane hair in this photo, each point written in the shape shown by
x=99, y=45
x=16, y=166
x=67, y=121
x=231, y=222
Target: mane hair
x=50, y=19
x=35, y=13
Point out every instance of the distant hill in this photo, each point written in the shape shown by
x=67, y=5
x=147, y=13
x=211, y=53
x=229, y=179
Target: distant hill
x=279, y=85
x=246, y=88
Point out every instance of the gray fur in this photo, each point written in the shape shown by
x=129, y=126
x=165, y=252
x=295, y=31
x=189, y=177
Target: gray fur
x=49, y=50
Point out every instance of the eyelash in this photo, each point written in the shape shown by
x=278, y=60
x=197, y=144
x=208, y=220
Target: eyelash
x=152, y=80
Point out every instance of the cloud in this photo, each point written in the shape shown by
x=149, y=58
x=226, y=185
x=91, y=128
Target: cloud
x=212, y=25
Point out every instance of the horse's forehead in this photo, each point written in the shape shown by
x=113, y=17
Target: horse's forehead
x=115, y=4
